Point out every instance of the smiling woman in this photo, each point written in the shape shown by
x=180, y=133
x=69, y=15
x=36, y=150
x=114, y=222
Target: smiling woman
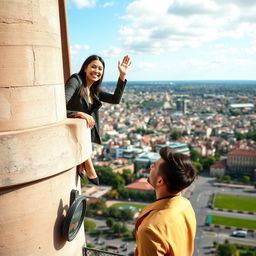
x=84, y=98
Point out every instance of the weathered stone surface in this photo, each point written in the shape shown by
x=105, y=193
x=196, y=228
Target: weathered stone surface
x=29, y=107
x=39, y=147
x=30, y=65
x=35, y=154
x=32, y=215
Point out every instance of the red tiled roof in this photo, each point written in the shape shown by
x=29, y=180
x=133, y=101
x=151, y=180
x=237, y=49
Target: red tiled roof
x=219, y=164
x=242, y=152
x=140, y=184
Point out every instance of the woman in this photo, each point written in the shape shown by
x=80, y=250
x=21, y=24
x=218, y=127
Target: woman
x=84, y=97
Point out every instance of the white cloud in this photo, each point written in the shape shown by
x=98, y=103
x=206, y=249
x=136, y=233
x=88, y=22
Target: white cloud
x=108, y=4
x=145, y=65
x=75, y=49
x=85, y=3
x=251, y=50
x=218, y=46
x=112, y=52
x=155, y=27
x=200, y=64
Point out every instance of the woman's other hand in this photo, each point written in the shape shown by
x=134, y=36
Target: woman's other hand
x=88, y=118
x=124, y=66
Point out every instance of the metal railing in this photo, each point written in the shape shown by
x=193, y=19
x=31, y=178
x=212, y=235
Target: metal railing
x=95, y=252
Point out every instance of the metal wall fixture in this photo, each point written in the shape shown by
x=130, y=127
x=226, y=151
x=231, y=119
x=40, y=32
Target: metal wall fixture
x=75, y=215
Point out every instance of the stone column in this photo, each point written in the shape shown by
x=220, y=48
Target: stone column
x=39, y=147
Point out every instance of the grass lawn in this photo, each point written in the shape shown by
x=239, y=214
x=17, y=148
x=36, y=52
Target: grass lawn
x=235, y=203
x=235, y=222
x=137, y=206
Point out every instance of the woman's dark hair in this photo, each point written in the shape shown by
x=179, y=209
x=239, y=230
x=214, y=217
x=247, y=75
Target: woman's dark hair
x=95, y=88
x=177, y=170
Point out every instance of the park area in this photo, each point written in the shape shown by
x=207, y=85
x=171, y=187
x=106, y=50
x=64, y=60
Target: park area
x=238, y=203
x=234, y=222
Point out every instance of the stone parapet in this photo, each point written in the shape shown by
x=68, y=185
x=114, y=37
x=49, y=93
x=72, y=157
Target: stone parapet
x=33, y=154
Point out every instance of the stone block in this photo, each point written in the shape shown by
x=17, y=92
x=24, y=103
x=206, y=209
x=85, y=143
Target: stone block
x=28, y=107
x=32, y=215
x=34, y=154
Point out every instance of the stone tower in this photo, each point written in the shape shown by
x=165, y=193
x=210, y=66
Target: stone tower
x=39, y=147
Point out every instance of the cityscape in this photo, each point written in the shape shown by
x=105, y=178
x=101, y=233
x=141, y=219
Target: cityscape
x=213, y=122
x=207, y=112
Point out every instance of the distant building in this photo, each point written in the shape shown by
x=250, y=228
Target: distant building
x=95, y=192
x=141, y=185
x=218, y=168
x=181, y=105
x=146, y=159
x=242, y=106
x=178, y=147
x=128, y=152
x=241, y=161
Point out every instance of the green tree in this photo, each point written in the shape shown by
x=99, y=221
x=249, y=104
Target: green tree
x=198, y=166
x=117, y=228
x=114, y=193
x=123, y=228
x=128, y=176
x=175, y=135
x=114, y=212
x=226, y=249
x=207, y=162
x=110, y=222
x=89, y=226
x=226, y=179
x=98, y=205
x=105, y=173
x=124, y=193
x=118, y=181
x=126, y=214
x=246, y=180
x=108, y=177
x=185, y=133
x=195, y=155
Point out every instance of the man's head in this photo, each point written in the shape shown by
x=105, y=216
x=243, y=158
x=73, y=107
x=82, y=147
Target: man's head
x=174, y=170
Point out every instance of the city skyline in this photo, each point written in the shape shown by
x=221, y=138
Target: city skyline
x=167, y=40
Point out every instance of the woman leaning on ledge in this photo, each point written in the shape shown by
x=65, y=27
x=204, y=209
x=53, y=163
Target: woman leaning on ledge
x=84, y=98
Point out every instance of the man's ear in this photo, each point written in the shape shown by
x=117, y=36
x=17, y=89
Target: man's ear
x=160, y=181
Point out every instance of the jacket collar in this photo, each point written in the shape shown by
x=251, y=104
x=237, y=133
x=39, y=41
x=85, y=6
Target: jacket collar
x=157, y=205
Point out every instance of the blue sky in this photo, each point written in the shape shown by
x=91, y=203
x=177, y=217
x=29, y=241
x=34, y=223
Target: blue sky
x=166, y=39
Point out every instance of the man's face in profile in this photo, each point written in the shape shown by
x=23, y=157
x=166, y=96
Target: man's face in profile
x=153, y=175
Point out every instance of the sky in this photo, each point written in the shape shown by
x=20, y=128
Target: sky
x=166, y=39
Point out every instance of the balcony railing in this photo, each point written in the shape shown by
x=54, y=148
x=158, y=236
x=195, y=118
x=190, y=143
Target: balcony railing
x=95, y=252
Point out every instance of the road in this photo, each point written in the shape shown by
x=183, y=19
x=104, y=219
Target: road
x=204, y=188
x=101, y=224
x=200, y=193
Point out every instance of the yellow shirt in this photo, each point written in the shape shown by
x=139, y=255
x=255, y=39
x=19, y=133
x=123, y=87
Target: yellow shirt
x=166, y=227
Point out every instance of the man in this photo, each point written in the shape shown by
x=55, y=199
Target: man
x=168, y=225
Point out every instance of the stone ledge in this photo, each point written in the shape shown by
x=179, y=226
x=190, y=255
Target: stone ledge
x=33, y=154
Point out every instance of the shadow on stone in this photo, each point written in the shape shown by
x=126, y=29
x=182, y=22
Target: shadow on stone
x=58, y=240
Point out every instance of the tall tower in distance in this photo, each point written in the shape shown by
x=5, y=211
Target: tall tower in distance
x=181, y=105
x=40, y=148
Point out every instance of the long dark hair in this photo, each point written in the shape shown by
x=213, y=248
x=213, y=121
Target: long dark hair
x=95, y=88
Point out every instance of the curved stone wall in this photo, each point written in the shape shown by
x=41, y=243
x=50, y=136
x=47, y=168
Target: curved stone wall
x=40, y=148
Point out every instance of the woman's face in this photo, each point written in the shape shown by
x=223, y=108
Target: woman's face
x=94, y=71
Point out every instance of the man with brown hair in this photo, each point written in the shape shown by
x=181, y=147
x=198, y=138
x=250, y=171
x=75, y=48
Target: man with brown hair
x=168, y=225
